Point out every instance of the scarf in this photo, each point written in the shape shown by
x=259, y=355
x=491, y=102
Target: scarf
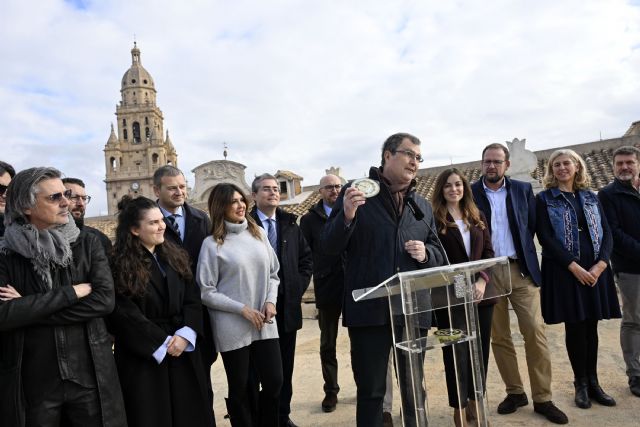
x=45, y=248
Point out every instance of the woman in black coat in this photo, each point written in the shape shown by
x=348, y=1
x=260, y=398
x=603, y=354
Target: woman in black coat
x=465, y=236
x=156, y=323
x=577, y=283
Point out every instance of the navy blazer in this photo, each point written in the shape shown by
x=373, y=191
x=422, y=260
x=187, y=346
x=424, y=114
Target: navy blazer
x=520, y=195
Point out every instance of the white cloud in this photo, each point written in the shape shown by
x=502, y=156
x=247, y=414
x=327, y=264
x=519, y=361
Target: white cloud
x=305, y=85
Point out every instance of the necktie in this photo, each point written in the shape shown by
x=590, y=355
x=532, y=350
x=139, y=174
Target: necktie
x=271, y=234
x=174, y=224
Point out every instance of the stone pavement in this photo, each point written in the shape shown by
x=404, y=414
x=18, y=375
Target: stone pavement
x=307, y=385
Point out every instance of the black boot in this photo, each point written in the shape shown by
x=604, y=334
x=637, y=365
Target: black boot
x=239, y=416
x=596, y=392
x=582, y=395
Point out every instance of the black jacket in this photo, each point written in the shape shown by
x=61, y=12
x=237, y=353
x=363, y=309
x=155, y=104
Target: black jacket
x=373, y=249
x=295, y=271
x=102, y=238
x=521, y=211
x=197, y=228
x=58, y=306
x=328, y=275
x=621, y=205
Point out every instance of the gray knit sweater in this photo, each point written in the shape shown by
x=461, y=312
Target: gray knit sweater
x=242, y=271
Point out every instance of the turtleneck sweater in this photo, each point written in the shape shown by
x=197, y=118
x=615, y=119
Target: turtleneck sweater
x=241, y=271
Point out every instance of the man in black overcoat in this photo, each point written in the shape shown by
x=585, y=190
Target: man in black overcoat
x=295, y=271
x=328, y=286
x=187, y=227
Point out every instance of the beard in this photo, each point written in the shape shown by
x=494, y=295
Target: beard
x=493, y=179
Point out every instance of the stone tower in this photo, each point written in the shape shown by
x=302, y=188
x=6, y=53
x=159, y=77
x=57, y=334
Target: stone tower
x=140, y=145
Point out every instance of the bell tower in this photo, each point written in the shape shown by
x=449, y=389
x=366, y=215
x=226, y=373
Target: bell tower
x=139, y=147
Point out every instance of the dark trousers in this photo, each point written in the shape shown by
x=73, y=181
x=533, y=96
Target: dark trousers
x=287, y=342
x=581, y=339
x=328, y=318
x=464, y=383
x=262, y=360
x=69, y=405
x=208, y=353
x=369, y=359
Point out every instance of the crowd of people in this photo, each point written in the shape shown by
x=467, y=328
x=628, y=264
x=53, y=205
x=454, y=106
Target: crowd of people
x=95, y=333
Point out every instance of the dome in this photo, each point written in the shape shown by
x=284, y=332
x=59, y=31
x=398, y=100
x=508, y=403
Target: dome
x=137, y=76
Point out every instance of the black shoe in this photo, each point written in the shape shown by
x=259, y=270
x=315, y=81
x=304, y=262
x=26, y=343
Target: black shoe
x=387, y=419
x=286, y=422
x=597, y=394
x=634, y=385
x=329, y=402
x=512, y=402
x=582, y=395
x=551, y=412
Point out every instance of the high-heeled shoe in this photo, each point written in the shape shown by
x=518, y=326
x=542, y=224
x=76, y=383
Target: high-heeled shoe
x=596, y=393
x=582, y=394
x=460, y=418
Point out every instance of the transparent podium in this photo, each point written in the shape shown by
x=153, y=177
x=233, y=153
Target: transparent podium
x=449, y=294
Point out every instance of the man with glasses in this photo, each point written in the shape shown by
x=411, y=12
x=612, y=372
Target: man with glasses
x=295, y=259
x=57, y=368
x=7, y=172
x=328, y=286
x=78, y=206
x=378, y=237
x=509, y=206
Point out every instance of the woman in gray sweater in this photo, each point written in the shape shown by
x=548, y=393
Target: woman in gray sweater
x=238, y=278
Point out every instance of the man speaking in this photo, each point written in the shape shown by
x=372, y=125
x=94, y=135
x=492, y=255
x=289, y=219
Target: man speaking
x=379, y=237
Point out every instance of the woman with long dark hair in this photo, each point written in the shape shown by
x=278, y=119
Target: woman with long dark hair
x=238, y=278
x=463, y=231
x=156, y=323
x=577, y=283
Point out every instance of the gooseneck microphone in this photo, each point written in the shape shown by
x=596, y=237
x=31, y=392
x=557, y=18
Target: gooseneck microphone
x=419, y=216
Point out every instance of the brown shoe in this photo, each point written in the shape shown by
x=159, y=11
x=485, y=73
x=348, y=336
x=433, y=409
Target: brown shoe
x=387, y=419
x=459, y=418
x=329, y=402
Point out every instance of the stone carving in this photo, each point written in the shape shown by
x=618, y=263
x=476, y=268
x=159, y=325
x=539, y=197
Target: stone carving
x=523, y=162
x=209, y=174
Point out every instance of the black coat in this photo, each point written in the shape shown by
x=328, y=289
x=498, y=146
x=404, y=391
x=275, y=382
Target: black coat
x=621, y=206
x=522, y=221
x=373, y=249
x=102, y=238
x=140, y=325
x=59, y=306
x=296, y=266
x=328, y=274
x=197, y=228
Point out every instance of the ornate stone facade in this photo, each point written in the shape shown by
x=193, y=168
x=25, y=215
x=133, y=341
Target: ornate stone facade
x=215, y=172
x=140, y=145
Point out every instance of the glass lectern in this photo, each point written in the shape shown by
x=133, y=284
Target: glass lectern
x=413, y=297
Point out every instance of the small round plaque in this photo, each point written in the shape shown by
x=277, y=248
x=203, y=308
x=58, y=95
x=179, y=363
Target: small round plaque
x=447, y=335
x=368, y=186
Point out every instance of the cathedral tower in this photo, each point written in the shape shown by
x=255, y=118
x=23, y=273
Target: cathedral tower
x=140, y=145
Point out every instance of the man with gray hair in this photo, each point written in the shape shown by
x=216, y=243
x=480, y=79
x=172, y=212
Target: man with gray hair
x=621, y=203
x=57, y=367
x=295, y=259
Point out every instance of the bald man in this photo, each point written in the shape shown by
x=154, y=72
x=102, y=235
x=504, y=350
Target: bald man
x=328, y=285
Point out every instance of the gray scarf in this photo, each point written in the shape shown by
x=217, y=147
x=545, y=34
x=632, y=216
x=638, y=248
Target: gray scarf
x=45, y=248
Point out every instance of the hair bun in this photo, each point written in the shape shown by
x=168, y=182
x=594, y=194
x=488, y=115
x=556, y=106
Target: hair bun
x=122, y=204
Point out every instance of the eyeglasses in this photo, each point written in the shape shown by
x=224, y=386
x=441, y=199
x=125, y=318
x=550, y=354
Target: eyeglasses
x=330, y=187
x=492, y=162
x=3, y=189
x=410, y=154
x=77, y=198
x=56, y=197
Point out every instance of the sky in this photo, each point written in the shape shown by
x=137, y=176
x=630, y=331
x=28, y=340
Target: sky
x=306, y=85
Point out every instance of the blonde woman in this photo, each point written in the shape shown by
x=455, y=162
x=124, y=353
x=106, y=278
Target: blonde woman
x=577, y=282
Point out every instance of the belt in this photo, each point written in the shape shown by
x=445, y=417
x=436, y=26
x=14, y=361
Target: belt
x=513, y=260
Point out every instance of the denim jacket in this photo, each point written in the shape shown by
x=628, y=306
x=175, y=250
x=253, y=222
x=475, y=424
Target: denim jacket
x=564, y=220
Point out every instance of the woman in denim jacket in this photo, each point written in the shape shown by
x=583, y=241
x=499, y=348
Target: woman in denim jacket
x=577, y=283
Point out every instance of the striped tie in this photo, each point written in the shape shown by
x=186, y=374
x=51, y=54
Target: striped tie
x=271, y=234
x=174, y=224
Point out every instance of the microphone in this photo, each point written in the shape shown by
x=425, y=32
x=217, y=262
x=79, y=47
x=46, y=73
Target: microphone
x=458, y=280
